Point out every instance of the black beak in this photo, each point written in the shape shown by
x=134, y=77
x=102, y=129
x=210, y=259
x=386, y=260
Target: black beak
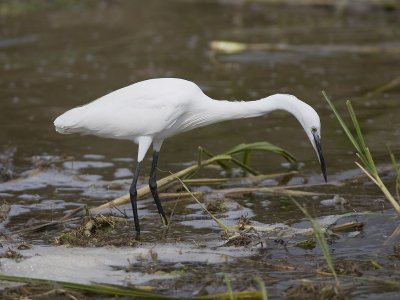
x=320, y=155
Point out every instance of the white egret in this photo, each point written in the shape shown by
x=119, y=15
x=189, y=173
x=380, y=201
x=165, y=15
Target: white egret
x=150, y=111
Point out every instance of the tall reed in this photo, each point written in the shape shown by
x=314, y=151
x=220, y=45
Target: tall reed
x=366, y=164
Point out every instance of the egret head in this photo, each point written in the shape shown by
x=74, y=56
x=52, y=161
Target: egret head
x=311, y=123
x=316, y=142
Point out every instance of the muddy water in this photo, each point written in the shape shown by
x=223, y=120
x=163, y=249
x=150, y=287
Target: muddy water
x=54, y=58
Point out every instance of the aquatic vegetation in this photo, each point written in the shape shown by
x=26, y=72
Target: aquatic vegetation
x=137, y=293
x=363, y=153
x=222, y=159
x=263, y=288
x=319, y=235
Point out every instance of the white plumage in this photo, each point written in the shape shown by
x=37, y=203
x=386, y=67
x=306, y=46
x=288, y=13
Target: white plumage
x=150, y=111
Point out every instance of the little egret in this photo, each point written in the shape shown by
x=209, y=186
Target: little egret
x=150, y=111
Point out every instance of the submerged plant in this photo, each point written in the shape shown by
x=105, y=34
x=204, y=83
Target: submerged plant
x=366, y=164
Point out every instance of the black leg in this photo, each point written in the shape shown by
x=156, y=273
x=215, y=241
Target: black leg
x=153, y=187
x=133, y=196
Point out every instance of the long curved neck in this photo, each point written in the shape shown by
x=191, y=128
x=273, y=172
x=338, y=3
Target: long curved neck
x=220, y=110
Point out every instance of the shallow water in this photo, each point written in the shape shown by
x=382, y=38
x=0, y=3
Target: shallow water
x=55, y=58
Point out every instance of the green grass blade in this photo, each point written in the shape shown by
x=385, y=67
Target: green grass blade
x=222, y=164
x=94, y=288
x=393, y=160
x=343, y=124
x=320, y=238
x=371, y=163
x=356, y=125
x=397, y=170
x=377, y=180
x=367, y=173
x=263, y=289
x=199, y=156
x=219, y=223
x=262, y=146
x=229, y=287
x=363, y=153
x=245, y=167
x=225, y=166
x=246, y=157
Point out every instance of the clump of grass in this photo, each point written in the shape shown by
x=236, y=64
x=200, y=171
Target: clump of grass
x=366, y=164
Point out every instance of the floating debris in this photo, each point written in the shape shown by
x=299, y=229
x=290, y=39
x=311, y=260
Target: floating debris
x=354, y=234
x=336, y=200
x=232, y=47
x=350, y=226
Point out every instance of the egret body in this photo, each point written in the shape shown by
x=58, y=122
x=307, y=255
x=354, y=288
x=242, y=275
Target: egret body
x=150, y=111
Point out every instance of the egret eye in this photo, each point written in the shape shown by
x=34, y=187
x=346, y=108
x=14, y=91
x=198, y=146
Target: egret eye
x=314, y=129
